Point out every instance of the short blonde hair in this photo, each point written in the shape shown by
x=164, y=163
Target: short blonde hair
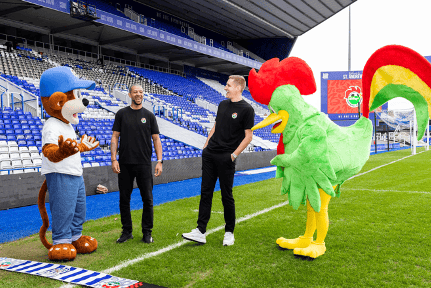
x=239, y=80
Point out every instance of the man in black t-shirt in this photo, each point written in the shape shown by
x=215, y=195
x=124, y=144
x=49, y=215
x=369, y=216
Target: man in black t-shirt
x=137, y=126
x=230, y=135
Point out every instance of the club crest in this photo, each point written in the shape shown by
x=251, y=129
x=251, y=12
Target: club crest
x=353, y=96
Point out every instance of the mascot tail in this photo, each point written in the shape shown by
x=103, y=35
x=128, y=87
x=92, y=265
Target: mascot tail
x=43, y=215
x=397, y=71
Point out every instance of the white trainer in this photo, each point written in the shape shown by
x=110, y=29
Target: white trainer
x=228, y=239
x=196, y=236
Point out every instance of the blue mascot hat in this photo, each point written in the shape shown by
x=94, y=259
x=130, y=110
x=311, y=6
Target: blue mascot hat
x=61, y=79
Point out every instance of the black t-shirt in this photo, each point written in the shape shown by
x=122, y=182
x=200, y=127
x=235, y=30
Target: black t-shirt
x=233, y=118
x=136, y=128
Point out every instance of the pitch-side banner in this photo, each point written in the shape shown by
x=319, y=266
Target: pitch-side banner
x=341, y=94
x=67, y=274
x=153, y=33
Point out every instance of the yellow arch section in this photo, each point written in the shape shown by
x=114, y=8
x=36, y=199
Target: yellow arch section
x=394, y=74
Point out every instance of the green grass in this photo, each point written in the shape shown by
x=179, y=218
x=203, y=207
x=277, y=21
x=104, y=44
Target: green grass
x=378, y=237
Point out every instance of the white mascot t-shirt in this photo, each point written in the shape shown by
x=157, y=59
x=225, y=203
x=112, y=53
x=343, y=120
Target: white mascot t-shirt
x=71, y=165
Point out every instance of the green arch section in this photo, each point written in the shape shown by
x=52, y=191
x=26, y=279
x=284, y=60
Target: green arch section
x=392, y=91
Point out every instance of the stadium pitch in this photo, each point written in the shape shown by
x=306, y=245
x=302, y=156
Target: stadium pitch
x=378, y=237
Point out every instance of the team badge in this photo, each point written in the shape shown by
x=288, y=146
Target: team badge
x=143, y=120
x=5, y=264
x=54, y=272
x=112, y=284
x=234, y=115
x=353, y=96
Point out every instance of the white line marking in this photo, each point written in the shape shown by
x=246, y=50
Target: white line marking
x=217, y=212
x=169, y=248
x=127, y=263
x=258, y=171
x=357, y=175
x=176, y=245
x=398, y=191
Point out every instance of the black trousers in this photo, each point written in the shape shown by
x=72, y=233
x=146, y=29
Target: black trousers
x=217, y=165
x=144, y=179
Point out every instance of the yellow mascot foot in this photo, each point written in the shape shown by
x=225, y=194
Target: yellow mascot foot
x=85, y=245
x=300, y=242
x=313, y=251
x=62, y=252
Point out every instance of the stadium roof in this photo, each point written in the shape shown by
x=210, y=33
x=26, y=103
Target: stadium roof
x=236, y=19
x=253, y=19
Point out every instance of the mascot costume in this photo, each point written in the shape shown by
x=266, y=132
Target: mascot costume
x=61, y=164
x=315, y=156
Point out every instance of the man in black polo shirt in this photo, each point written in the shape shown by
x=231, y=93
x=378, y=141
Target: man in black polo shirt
x=230, y=135
x=137, y=127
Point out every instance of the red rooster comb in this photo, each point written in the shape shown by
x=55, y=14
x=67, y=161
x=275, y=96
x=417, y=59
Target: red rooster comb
x=273, y=73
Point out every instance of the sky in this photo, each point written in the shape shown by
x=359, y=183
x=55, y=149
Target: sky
x=374, y=24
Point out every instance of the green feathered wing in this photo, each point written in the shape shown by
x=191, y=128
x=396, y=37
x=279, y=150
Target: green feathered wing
x=322, y=155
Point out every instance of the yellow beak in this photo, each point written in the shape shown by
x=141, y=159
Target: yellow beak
x=282, y=117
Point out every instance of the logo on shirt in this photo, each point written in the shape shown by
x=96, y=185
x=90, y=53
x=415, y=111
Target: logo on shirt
x=143, y=120
x=234, y=115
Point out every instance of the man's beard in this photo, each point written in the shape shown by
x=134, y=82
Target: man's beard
x=134, y=102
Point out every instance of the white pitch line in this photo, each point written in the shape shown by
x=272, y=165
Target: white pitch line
x=375, y=168
x=398, y=191
x=176, y=245
x=247, y=217
x=217, y=212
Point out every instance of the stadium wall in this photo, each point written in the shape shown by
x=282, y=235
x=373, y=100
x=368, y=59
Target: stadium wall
x=19, y=190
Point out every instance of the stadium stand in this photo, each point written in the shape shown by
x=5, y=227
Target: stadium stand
x=172, y=97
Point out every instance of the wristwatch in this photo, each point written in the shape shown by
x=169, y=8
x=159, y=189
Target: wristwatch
x=161, y=161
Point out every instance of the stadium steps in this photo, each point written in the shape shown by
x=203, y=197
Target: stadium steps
x=169, y=129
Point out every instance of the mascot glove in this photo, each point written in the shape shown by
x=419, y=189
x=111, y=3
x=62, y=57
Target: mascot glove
x=281, y=160
x=88, y=143
x=68, y=147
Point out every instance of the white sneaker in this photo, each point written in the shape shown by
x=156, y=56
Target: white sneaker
x=196, y=236
x=228, y=239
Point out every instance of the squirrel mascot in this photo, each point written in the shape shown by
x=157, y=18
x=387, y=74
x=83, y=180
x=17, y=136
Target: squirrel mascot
x=61, y=164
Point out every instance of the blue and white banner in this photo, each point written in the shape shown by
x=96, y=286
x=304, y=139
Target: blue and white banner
x=67, y=274
x=150, y=32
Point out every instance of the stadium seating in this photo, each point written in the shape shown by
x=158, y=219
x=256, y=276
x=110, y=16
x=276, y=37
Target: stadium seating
x=20, y=133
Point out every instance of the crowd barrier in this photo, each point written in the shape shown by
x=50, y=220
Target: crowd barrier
x=18, y=190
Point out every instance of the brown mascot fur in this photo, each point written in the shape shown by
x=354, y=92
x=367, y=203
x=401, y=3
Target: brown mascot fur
x=55, y=106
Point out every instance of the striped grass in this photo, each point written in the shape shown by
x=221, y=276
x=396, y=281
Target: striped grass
x=378, y=237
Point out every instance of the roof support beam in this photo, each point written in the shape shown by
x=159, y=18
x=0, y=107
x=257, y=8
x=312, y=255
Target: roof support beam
x=212, y=64
x=120, y=39
x=74, y=26
x=244, y=11
x=185, y=57
x=160, y=49
x=14, y=9
x=231, y=69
